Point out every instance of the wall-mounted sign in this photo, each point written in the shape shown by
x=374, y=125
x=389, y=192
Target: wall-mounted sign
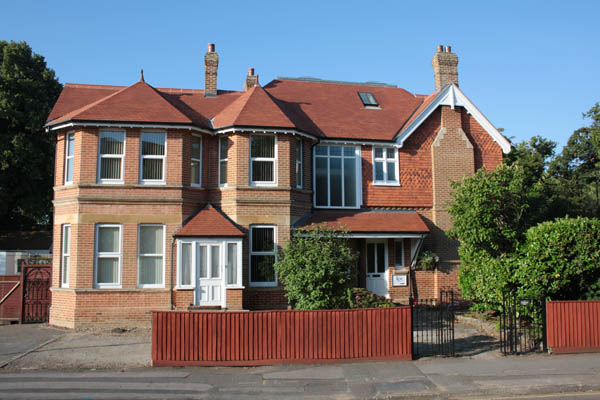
x=400, y=280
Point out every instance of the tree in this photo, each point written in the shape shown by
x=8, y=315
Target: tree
x=28, y=90
x=316, y=267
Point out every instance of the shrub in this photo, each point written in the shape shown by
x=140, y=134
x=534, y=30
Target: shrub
x=560, y=259
x=362, y=298
x=316, y=267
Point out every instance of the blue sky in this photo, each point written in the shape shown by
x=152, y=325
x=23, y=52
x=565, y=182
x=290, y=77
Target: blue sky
x=530, y=66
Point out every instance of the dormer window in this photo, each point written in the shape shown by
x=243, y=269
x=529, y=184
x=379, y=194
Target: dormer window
x=368, y=99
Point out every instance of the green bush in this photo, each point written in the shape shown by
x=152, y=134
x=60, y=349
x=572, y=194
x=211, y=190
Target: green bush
x=316, y=267
x=362, y=298
x=560, y=259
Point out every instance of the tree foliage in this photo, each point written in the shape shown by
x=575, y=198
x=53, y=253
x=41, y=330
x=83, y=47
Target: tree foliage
x=28, y=90
x=316, y=267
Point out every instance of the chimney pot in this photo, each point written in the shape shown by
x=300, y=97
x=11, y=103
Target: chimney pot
x=440, y=48
x=251, y=80
x=211, y=47
x=448, y=49
x=250, y=71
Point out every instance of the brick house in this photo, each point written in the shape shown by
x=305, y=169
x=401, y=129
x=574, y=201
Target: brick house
x=176, y=198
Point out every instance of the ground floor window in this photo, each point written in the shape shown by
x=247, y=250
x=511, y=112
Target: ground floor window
x=263, y=255
x=108, y=256
x=66, y=255
x=151, y=250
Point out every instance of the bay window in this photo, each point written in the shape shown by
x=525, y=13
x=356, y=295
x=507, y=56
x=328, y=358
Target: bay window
x=108, y=256
x=111, y=151
x=263, y=160
x=151, y=255
x=263, y=255
x=153, y=151
x=196, y=163
x=385, y=166
x=337, y=176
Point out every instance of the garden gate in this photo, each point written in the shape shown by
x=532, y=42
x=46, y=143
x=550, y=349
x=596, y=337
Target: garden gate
x=433, y=326
x=35, y=279
x=522, y=324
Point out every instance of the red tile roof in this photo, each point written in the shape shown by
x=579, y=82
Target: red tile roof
x=371, y=221
x=210, y=222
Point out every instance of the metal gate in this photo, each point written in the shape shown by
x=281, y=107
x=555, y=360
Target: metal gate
x=35, y=278
x=433, y=326
x=522, y=324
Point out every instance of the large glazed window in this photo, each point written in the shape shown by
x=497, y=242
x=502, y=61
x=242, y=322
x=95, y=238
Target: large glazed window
x=223, y=158
x=111, y=151
x=263, y=159
x=69, y=157
x=108, y=256
x=337, y=183
x=262, y=256
x=196, y=162
x=151, y=255
x=66, y=256
x=385, y=166
x=152, y=160
x=299, y=163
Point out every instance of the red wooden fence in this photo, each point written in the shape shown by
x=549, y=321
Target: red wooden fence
x=10, y=297
x=269, y=337
x=573, y=326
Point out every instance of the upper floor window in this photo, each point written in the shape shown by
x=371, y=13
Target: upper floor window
x=337, y=176
x=263, y=159
x=299, y=163
x=385, y=166
x=66, y=256
x=108, y=256
x=263, y=255
x=153, y=151
x=196, y=160
x=151, y=250
x=111, y=152
x=223, y=158
x=69, y=157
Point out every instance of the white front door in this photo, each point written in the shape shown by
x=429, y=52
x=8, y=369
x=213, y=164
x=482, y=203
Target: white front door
x=377, y=267
x=209, y=287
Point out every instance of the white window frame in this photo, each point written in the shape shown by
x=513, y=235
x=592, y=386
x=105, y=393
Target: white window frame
x=271, y=159
x=299, y=165
x=358, y=172
x=199, y=160
x=400, y=242
x=193, y=244
x=101, y=156
x=262, y=253
x=385, y=160
x=119, y=255
x=163, y=157
x=69, y=157
x=221, y=159
x=65, y=269
x=140, y=255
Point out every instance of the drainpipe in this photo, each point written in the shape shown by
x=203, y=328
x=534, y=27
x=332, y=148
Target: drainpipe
x=172, y=271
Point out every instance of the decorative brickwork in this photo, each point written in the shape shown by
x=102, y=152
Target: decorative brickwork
x=445, y=67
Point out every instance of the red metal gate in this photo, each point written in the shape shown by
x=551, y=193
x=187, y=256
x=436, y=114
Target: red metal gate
x=35, y=280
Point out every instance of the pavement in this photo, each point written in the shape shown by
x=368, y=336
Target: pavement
x=99, y=364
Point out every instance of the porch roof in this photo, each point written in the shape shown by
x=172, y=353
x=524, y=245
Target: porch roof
x=209, y=222
x=390, y=222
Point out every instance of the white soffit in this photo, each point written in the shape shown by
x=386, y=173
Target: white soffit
x=452, y=96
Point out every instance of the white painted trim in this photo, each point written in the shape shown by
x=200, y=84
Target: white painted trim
x=192, y=244
x=358, y=142
x=300, y=163
x=127, y=125
x=274, y=160
x=358, y=177
x=119, y=255
x=226, y=160
x=99, y=159
x=267, y=253
x=139, y=256
x=385, y=181
x=67, y=157
x=452, y=96
x=384, y=235
x=266, y=131
x=162, y=181
x=65, y=283
x=386, y=263
x=238, y=284
x=194, y=184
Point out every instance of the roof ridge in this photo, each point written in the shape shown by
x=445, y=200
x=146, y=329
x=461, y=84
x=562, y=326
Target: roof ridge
x=310, y=79
x=74, y=113
x=92, y=86
x=164, y=99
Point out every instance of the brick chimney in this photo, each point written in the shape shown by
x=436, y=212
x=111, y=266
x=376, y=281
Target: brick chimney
x=445, y=67
x=211, y=63
x=251, y=80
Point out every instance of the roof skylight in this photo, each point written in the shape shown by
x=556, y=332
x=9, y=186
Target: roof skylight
x=368, y=99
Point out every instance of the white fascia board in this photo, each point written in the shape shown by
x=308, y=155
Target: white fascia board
x=266, y=130
x=128, y=125
x=380, y=235
x=361, y=143
x=452, y=96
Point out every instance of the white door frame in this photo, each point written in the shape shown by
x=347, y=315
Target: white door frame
x=209, y=243
x=386, y=266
